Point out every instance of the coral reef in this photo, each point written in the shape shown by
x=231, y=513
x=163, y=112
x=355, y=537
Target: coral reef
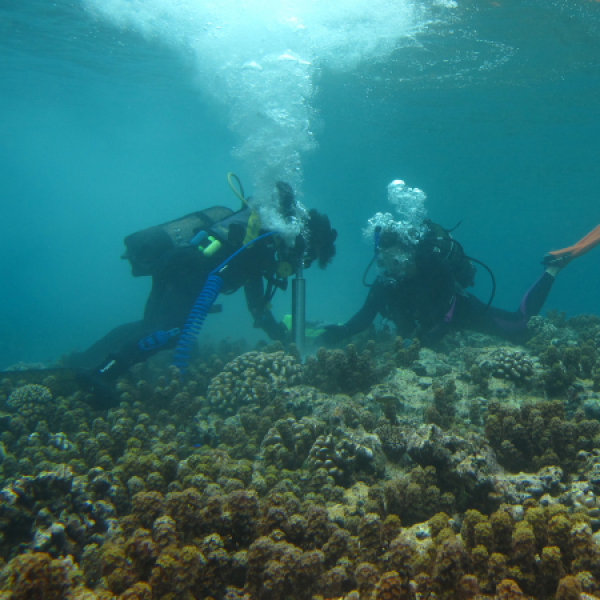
x=342, y=458
x=392, y=472
x=537, y=435
x=34, y=575
x=345, y=371
x=288, y=443
x=507, y=363
x=252, y=377
x=443, y=410
x=406, y=352
x=30, y=404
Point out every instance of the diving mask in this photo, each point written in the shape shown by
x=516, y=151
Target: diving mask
x=397, y=263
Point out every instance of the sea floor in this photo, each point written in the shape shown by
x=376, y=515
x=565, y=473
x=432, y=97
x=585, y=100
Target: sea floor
x=376, y=470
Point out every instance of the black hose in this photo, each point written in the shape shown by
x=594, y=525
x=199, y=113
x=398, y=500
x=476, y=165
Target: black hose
x=364, y=277
x=493, y=281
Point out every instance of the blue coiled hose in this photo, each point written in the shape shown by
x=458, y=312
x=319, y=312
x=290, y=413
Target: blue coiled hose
x=195, y=320
x=200, y=310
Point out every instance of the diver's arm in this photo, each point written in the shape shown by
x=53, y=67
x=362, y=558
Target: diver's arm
x=366, y=315
x=259, y=309
x=359, y=322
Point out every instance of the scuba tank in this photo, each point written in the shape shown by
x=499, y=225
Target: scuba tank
x=437, y=244
x=207, y=230
x=144, y=248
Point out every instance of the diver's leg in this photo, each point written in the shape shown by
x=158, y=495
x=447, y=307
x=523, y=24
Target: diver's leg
x=110, y=343
x=175, y=287
x=471, y=313
x=170, y=307
x=536, y=295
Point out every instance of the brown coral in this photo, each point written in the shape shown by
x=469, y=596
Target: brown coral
x=37, y=576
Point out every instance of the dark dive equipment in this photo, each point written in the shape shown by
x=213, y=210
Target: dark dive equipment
x=238, y=228
x=202, y=307
x=209, y=231
x=299, y=309
x=439, y=240
x=145, y=248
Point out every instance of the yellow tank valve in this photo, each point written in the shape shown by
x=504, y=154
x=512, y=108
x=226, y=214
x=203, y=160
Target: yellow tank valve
x=212, y=247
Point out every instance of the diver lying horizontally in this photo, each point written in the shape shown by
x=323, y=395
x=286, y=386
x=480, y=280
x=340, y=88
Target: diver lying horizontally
x=424, y=276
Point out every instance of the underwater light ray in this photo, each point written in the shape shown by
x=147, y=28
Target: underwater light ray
x=261, y=60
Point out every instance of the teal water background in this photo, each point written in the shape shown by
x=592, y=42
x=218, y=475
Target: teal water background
x=108, y=126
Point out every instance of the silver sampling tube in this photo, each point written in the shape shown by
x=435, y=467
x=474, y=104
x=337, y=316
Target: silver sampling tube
x=299, y=309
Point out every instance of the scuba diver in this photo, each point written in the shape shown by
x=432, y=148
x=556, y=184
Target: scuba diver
x=192, y=259
x=424, y=276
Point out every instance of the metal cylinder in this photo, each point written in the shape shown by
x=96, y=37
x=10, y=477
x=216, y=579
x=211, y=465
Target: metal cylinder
x=299, y=310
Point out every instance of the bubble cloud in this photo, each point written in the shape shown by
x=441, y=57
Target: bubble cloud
x=261, y=60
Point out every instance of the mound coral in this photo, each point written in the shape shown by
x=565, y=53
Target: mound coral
x=344, y=371
x=250, y=376
x=538, y=435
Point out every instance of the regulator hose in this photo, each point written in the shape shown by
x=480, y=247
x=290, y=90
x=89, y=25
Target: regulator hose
x=195, y=321
x=201, y=308
x=239, y=193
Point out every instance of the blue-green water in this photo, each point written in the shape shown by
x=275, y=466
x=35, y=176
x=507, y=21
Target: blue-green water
x=114, y=119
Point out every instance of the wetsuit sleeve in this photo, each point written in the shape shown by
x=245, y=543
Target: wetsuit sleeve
x=471, y=313
x=366, y=315
x=257, y=305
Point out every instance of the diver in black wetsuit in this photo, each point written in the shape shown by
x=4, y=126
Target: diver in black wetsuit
x=422, y=290
x=180, y=255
